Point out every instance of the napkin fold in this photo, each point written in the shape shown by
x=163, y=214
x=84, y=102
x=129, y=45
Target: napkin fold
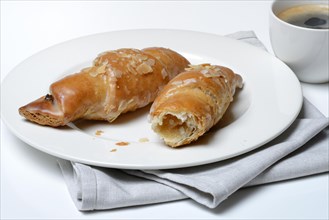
x=301, y=150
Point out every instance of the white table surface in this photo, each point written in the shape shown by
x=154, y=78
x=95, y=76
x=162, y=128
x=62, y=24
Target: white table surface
x=32, y=186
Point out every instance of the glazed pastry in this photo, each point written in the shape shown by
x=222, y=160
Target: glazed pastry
x=193, y=102
x=118, y=81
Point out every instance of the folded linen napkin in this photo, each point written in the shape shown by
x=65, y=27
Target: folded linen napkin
x=300, y=151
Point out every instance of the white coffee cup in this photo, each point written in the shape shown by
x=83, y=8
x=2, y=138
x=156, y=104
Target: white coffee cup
x=304, y=50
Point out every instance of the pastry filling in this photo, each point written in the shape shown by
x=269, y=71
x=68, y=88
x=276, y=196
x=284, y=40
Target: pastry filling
x=174, y=128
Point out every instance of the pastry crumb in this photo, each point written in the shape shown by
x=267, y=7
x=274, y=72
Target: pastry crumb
x=113, y=150
x=143, y=140
x=122, y=143
x=99, y=132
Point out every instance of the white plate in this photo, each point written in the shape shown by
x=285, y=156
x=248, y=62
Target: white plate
x=269, y=102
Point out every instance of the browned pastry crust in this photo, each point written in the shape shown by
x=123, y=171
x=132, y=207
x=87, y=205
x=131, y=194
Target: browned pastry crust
x=193, y=102
x=118, y=81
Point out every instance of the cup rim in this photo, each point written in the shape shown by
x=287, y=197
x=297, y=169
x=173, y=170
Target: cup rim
x=292, y=25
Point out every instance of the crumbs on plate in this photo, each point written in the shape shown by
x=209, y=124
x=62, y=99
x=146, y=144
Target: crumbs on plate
x=113, y=150
x=122, y=143
x=143, y=140
x=99, y=132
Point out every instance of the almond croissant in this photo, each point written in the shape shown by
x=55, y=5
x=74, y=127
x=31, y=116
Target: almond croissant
x=118, y=81
x=193, y=102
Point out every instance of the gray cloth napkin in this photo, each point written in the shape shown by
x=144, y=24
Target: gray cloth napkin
x=300, y=151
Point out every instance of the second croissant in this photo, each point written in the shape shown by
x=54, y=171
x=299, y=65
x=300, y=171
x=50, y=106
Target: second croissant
x=193, y=102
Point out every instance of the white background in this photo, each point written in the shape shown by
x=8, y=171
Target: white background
x=31, y=182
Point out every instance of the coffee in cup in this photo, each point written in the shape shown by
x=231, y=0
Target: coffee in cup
x=299, y=37
x=307, y=16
